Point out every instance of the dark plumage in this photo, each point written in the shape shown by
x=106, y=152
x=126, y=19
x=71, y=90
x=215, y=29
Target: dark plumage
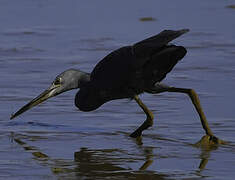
x=125, y=73
x=131, y=70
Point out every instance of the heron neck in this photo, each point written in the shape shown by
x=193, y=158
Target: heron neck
x=84, y=79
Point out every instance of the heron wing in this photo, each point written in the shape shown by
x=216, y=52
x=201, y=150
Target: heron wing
x=114, y=69
x=124, y=67
x=161, y=63
x=146, y=48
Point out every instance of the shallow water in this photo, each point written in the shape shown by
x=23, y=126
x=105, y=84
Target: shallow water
x=40, y=39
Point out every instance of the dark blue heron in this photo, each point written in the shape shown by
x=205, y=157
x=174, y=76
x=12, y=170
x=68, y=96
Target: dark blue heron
x=126, y=73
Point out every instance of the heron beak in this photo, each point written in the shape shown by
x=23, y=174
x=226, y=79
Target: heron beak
x=50, y=92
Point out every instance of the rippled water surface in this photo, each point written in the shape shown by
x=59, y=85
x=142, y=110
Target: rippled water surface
x=40, y=39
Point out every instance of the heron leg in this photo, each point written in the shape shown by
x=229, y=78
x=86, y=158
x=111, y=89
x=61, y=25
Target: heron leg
x=195, y=100
x=147, y=123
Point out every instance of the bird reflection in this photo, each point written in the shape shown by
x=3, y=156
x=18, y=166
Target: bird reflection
x=205, y=155
x=147, y=151
x=206, y=147
x=103, y=163
x=93, y=163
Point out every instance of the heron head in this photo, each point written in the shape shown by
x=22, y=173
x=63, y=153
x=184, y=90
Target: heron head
x=67, y=80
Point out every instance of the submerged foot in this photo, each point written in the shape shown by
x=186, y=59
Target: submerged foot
x=214, y=140
x=136, y=134
x=208, y=142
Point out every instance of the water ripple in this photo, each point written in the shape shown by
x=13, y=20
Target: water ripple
x=9, y=51
x=28, y=32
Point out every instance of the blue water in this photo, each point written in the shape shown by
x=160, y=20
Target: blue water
x=40, y=39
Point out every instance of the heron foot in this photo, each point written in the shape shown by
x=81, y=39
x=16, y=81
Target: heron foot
x=209, y=142
x=214, y=139
x=138, y=132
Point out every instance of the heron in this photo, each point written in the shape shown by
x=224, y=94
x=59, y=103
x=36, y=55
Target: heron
x=126, y=73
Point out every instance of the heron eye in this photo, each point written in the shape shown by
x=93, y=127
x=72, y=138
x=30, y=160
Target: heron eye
x=57, y=81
